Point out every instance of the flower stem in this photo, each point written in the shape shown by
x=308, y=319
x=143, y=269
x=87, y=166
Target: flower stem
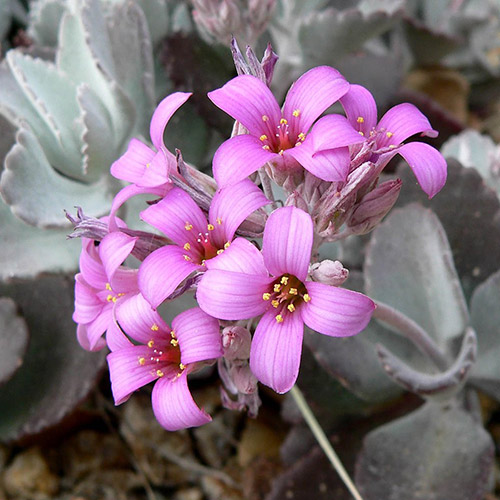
x=413, y=332
x=323, y=441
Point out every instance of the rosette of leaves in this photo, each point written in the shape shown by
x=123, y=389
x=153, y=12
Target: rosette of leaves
x=75, y=116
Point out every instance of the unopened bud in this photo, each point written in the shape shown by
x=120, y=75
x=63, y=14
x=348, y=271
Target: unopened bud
x=236, y=342
x=374, y=206
x=296, y=200
x=329, y=272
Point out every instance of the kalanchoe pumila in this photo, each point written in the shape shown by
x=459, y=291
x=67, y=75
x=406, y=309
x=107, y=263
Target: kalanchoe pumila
x=273, y=283
x=165, y=355
x=197, y=241
x=285, y=137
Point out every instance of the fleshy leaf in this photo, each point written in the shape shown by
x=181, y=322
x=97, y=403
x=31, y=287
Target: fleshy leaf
x=436, y=452
x=13, y=339
x=45, y=16
x=409, y=266
x=57, y=373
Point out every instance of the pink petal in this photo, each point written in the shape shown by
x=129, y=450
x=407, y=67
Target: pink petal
x=156, y=172
x=248, y=100
x=239, y=157
x=287, y=242
x=83, y=339
x=139, y=320
x=403, y=121
x=230, y=295
x=174, y=406
x=124, y=280
x=178, y=217
x=428, y=165
x=115, y=338
x=162, y=115
x=276, y=350
x=126, y=373
x=114, y=248
x=241, y=257
x=360, y=108
x=314, y=92
x=162, y=271
x=231, y=206
x=198, y=334
x=87, y=303
x=331, y=165
x=97, y=327
x=91, y=266
x=333, y=131
x=131, y=165
x=336, y=311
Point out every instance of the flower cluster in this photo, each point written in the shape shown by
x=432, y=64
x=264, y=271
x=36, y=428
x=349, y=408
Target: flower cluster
x=250, y=261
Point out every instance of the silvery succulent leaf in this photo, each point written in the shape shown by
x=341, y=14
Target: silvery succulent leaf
x=409, y=266
x=44, y=19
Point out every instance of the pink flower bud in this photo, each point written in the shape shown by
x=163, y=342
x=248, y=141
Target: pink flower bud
x=236, y=342
x=329, y=272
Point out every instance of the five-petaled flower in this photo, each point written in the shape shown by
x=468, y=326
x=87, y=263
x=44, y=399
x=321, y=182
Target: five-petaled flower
x=273, y=283
x=165, y=355
x=197, y=241
x=285, y=137
x=386, y=136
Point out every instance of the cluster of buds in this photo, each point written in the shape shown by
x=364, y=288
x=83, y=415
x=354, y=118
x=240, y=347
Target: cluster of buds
x=250, y=262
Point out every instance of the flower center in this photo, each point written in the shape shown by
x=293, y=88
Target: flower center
x=283, y=136
x=204, y=248
x=286, y=294
x=162, y=354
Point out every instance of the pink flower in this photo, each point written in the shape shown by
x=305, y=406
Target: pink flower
x=166, y=356
x=284, y=137
x=399, y=123
x=197, y=241
x=101, y=283
x=273, y=283
x=148, y=170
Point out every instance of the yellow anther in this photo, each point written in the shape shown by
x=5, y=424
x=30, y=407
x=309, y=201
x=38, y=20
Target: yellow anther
x=155, y=327
x=293, y=291
x=218, y=220
x=275, y=303
x=181, y=366
x=263, y=137
x=302, y=136
x=142, y=361
x=172, y=334
x=265, y=118
x=188, y=226
x=148, y=165
x=277, y=287
x=210, y=227
x=187, y=246
x=306, y=297
x=114, y=300
x=159, y=373
x=296, y=112
x=360, y=119
x=284, y=280
x=290, y=307
x=279, y=318
x=389, y=134
x=109, y=298
x=221, y=250
x=361, y=133
x=203, y=262
x=266, y=296
x=266, y=147
x=298, y=144
x=391, y=146
x=151, y=343
x=187, y=257
x=227, y=245
x=280, y=152
x=108, y=286
x=174, y=342
x=283, y=121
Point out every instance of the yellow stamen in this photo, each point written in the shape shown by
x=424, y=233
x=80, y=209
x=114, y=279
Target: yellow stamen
x=174, y=342
x=151, y=343
x=306, y=297
x=293, y=291
x=108, y=286
x=290, y=307
x=172, y=334
x=109, y=298
x=279, y=318
x=210, y=227
x=114, y=300
x=277, y=287
x=187, y=246
x=218, y=220
x=227, y=245
x=187, y=257
x=275, y=303
x=296, y=112
x=266, y=296
x=360, y=119
x=155, y=327
x=159, y=373
x=220, y=251
x=284, y=280
x=389, y=134
x=265, y=118
x=188, y=226
x=263, y=137
x=142, y=361
x=148, y=165
x=181, y=366
x=280, y=152
x=301, y=136
x=391, y=146
x=266, y=147
x=283, y=121
x=361, y=133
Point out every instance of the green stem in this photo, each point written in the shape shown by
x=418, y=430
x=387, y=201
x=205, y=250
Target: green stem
x=323, y=441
